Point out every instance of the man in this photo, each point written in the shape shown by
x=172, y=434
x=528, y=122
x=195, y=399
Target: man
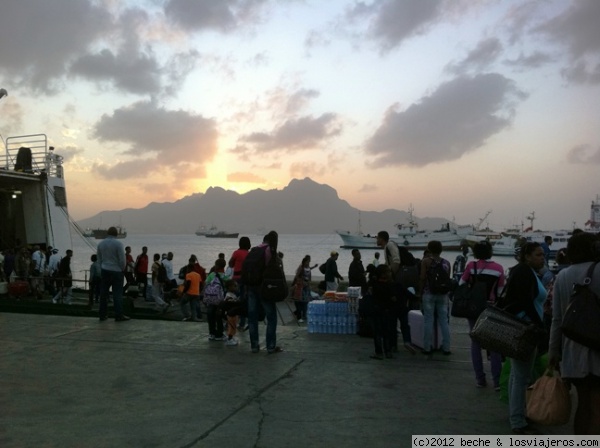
x=111, y=257
x=356, y=271
x=331, y=272
x=141, y=270
x=172, y=281
x=376, y=259
x=64, y=280
x=129, y=268
x=53, y=263
x=255, y=302
x=38, y=264
x=546, y=247
x=391, y=253
x=191, y=292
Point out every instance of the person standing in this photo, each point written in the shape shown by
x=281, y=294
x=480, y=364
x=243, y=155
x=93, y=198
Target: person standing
x=141, y=270
x=492, y=273
x=38, y=262
x=384, y=315
x=434, y=303
x=356, y=271
x=157, y=293
x=331, y=272
x=301, y=291
x=391, y=253
x=546, y=248
x=235, y=262
x=579, y=364
x=111, y=257
x=255, y=301
x=129, y=268
x=524, y=298
x=95, y=281
x=65, y=280
x=171, y=280
x=375, y=261
x=191, y=292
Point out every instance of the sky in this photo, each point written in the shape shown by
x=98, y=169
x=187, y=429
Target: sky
x=458, y=107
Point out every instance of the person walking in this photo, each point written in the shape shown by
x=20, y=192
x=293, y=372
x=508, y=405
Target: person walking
x=492, y=273
x=331, y=272
x=111, y=256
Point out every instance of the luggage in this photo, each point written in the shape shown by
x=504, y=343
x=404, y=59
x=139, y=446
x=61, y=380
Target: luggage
x=18, y=288
x=23, y=162
x=3, y=288
x=415, y=322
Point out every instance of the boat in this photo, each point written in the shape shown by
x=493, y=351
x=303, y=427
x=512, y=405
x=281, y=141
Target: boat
x=33, y=195
x=593, y=224
x=505, y=246
x=88, y=233
x=201, y=231
x=409, y=236
x=214, y=232
x=101, y=234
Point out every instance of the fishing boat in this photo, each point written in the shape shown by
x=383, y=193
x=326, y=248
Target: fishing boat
x=101, y=234
x=409, y=235
x=201, y=231
x=88, y=233
x=214, y=232
x=33, y=195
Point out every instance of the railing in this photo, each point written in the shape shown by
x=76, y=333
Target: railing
x=43, y=158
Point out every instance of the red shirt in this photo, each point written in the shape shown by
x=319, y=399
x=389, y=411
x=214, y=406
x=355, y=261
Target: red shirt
x=238, y=258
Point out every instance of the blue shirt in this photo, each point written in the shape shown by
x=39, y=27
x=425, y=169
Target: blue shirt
x=111, y=254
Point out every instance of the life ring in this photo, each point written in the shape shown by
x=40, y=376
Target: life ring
x=406, y=242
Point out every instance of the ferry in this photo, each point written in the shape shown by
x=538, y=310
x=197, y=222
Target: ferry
x=214, y=232
x=33, y=195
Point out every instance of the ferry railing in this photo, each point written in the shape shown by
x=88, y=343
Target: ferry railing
x=43, y=158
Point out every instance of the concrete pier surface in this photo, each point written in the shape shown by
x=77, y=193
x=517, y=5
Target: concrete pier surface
x=70, y=381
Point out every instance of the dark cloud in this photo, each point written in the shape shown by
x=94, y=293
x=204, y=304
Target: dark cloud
x=577, y=29
x=296, y=134
x=222, y=15
x=455, y=119
x=534, y=60
x=392, y=21
x=482, y=56
x=584, y=155
x=38, y=39
x=173, y=136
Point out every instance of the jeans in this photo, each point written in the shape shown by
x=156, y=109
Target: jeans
x=188, y=306
x=518, y=382
x=270, y=308
x=477, y=360
x=435, y=304
x=114, y=280
x=242, y=296
x=215, y=320
x=94, y=292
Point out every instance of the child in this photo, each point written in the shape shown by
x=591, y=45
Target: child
x=231, y=308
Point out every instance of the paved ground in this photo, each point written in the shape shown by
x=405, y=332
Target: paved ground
x=74, y=382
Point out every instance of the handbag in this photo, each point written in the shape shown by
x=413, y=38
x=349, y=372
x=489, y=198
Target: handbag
x=504, y=333
x=548, y=400
x=470, y=299
x=581, y=321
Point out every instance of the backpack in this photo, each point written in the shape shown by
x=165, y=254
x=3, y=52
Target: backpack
x=438, y=278
x=323, y=268
x=161, y=275
x=254, y=266
x=214, y=291
x=274, y=287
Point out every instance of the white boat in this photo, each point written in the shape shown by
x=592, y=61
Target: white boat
x=504, y=246
x=593, y=224
x=409, y=236
x=33, y=195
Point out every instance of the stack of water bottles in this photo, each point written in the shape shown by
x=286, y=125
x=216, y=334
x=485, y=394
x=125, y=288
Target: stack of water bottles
x=330, y=317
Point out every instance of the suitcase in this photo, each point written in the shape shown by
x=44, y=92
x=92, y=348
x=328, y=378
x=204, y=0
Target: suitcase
x=18, y=288
x=415, y=321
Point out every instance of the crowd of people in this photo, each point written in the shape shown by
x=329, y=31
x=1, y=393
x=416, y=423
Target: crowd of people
x=393, y=284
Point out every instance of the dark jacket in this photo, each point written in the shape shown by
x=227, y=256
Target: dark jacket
x=356, y=274
x=521, y=291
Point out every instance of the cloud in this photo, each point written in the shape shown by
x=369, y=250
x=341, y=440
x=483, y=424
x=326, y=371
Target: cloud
x=38, y=39
x=534, y=60
x=12, y=115
x=577, y=30
x=245, y=178
x=391, y=21
x=307, y=169
x=483, y=55
x=455, y=119
x=69, y=153
x=584, y=155
x=296, y=134
x=177, y=138
x=368, y=188
x=222, y=15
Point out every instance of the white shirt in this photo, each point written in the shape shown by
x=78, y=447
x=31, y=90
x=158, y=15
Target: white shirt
x=38, y=259
x=168, y=264
x=53, y=263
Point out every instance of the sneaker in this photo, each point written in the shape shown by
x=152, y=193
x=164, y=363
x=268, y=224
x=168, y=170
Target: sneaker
x=245, y=328
x=481, y=384
x=220, y=338
x=232, y=342
x=255, y=349
x=211, y=337
x=185, y=319
x=275, y=350
x=497, y=388
x=378, y=356
x=300, y=321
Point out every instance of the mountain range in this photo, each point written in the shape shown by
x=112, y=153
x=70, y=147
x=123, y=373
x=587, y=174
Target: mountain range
x=302, y=207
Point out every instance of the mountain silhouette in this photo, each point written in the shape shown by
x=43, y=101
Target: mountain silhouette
x=302, y=207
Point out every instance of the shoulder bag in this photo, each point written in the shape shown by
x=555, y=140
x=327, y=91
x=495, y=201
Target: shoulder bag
x=499, y=331
x=471, y=298
x=581, y=321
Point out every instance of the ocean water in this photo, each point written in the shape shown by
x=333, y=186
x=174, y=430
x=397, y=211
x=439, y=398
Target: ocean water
x=294, y=248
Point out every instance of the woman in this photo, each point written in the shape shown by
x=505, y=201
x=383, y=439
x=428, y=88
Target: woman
x=235, y=262
x=301, y=286
x=525, y=297
x=578, y=363
x=492, y=274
